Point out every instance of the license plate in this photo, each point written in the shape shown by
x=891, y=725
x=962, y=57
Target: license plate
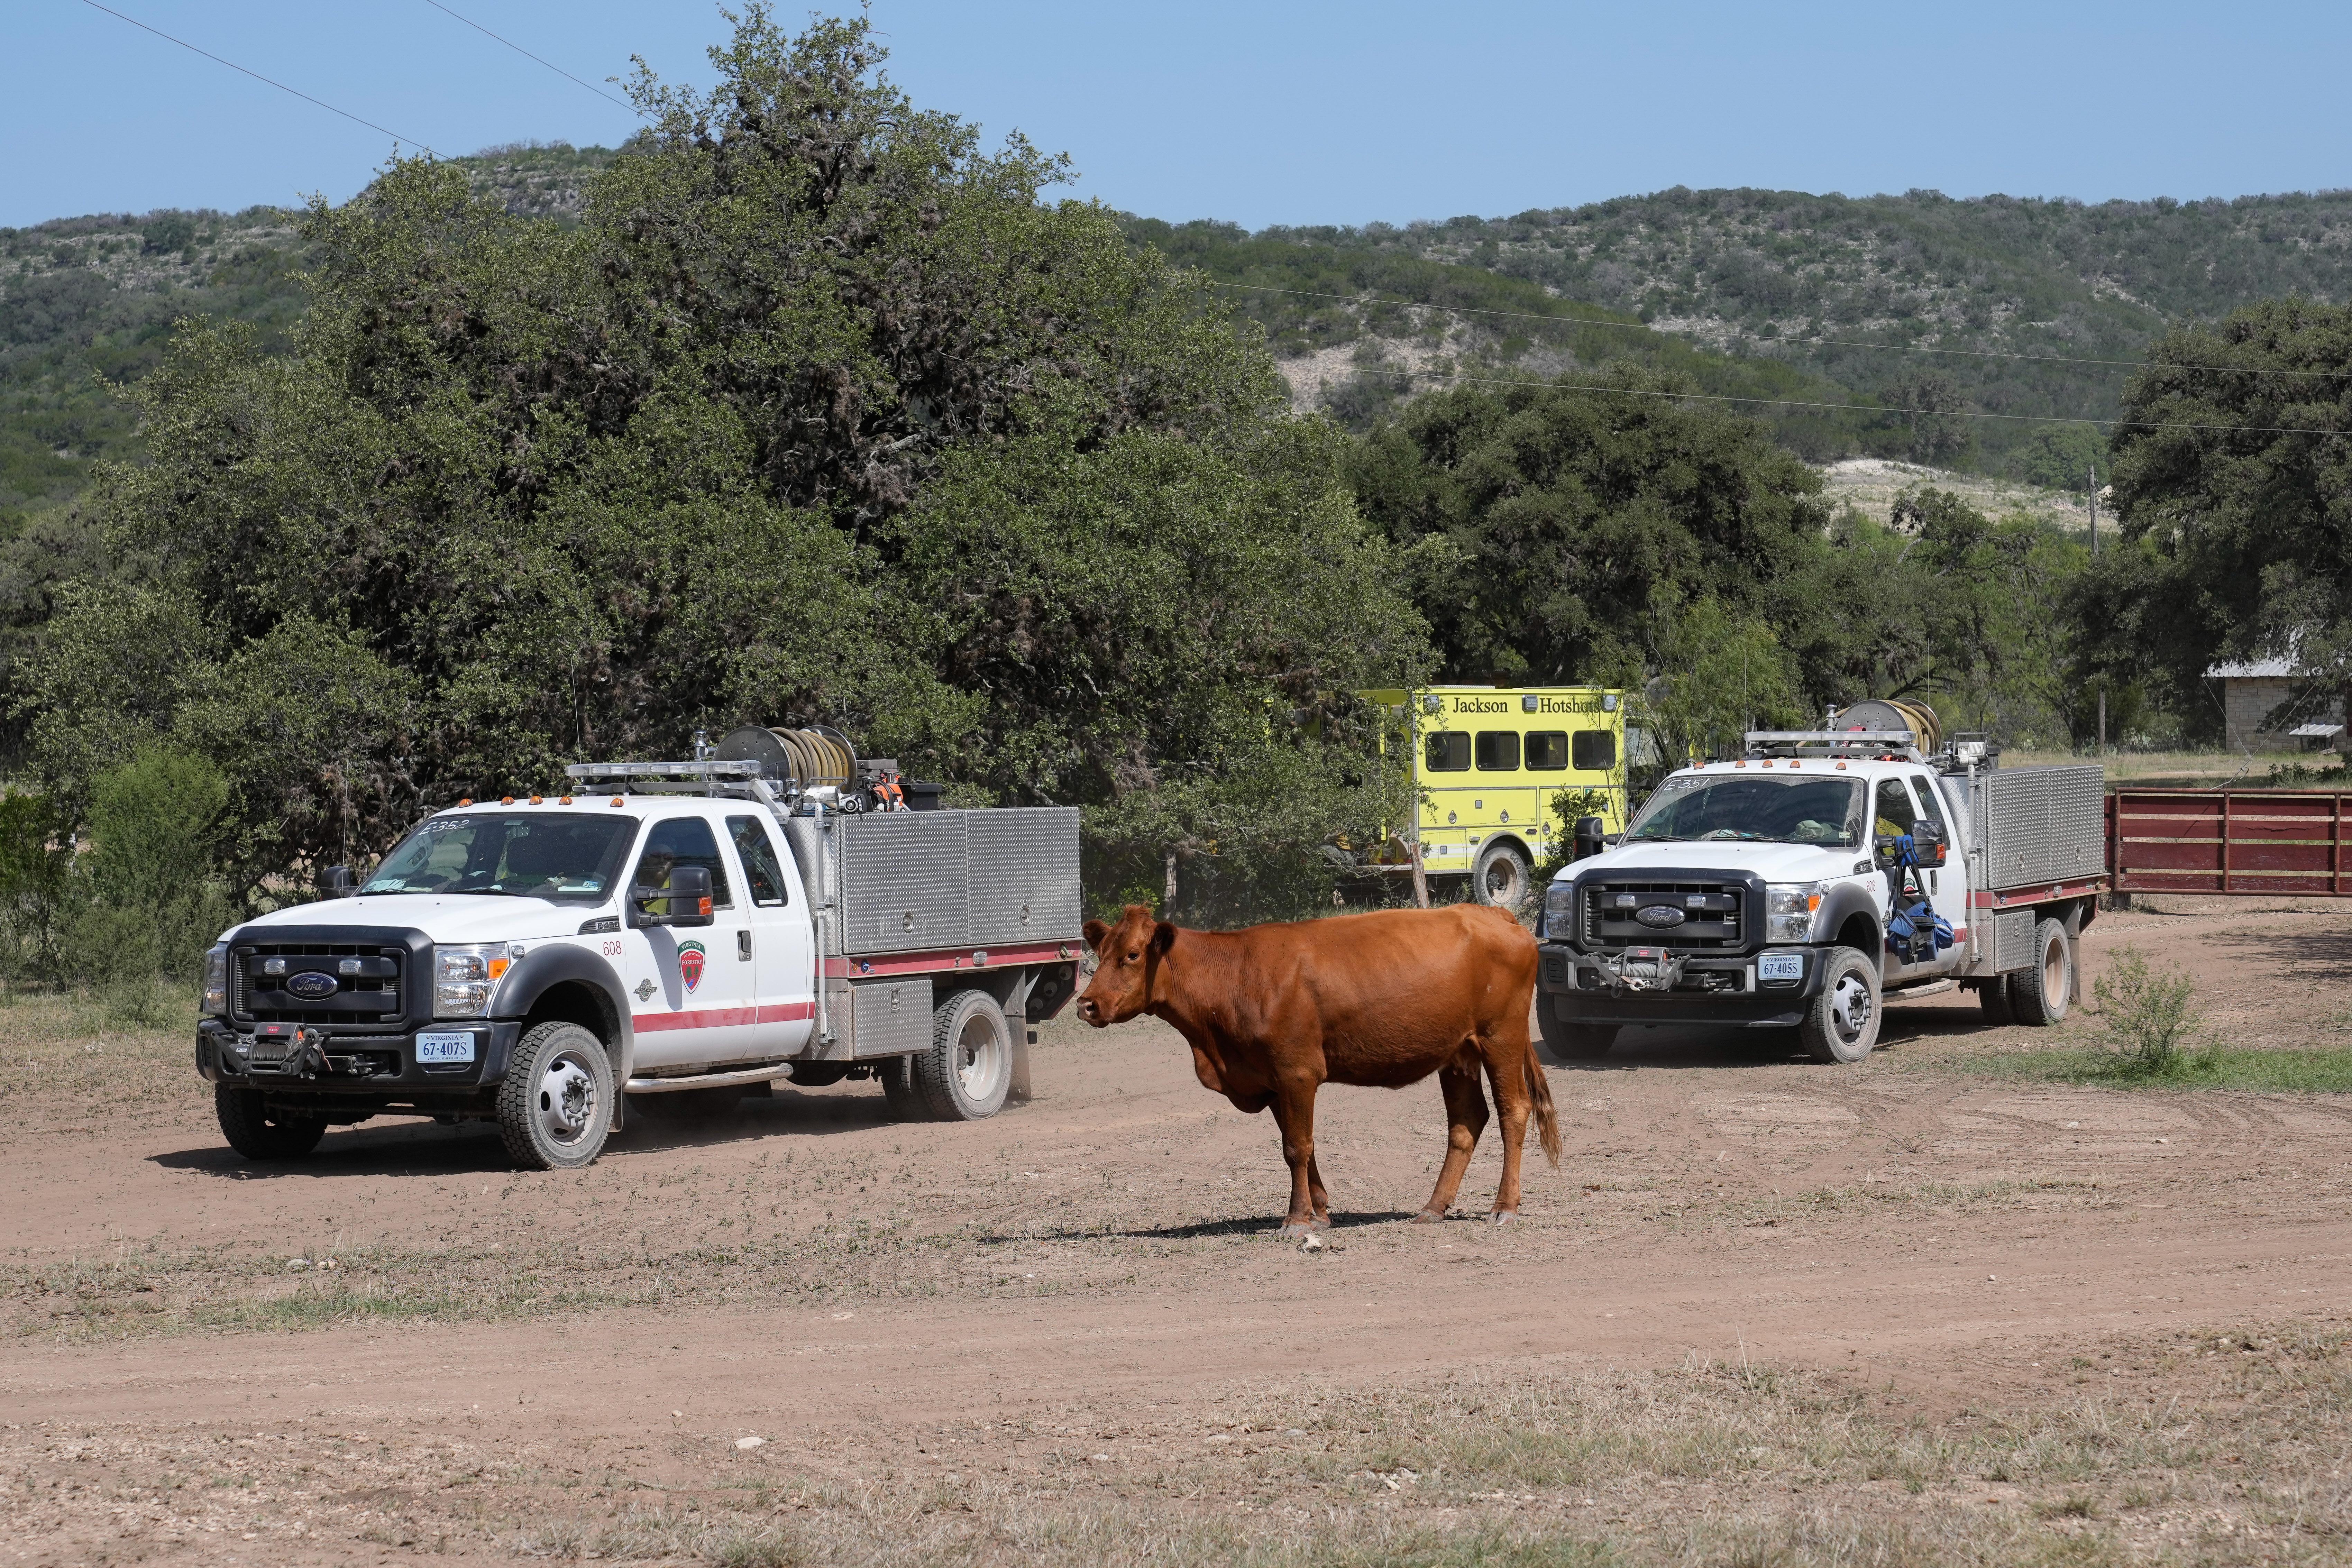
x=1780, y=966
x=445, y=1048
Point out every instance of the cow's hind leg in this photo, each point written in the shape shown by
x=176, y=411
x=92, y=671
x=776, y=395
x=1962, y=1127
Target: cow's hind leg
x=1465, y=1118
x=1314, y=1190
x=1294, y=1111
x=1506, y=1074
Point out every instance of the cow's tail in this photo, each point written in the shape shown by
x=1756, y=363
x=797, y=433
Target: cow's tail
x=1546, y=1118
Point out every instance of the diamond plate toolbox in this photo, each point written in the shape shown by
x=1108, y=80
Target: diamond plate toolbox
x=911, y=881
x=2040, y=825
x=1025, y=875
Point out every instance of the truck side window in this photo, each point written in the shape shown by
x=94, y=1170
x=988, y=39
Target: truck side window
x=1895, y=811
x=683, y=841
x=1548, y=751
x=760, y=868
x=1498, y=751
x=1596, y=751
x=1930, y=808
x=1448, y=751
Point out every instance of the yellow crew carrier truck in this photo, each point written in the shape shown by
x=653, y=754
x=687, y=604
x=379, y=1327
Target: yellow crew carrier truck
x=1490, y=763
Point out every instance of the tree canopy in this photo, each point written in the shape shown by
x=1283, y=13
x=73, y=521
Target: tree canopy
x=821, y=410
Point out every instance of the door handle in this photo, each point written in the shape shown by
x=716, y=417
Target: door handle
x=743, y=944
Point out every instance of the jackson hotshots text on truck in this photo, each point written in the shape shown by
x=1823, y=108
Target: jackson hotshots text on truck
x=1799, y=885
x=670, y=936
x=1489, y=762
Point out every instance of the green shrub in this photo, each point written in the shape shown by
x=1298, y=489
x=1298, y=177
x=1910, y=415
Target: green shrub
x=147, y=898
x=2149, y=1022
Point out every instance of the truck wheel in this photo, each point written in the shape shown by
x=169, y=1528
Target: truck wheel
x=2038, y=995
x=900, y=1088
x=1501, y=877
x=1841, y=1024
x=1992, y=997
x=253, y=1131
x=969, y=1069
x=555, y=1107
x=1567, y=1042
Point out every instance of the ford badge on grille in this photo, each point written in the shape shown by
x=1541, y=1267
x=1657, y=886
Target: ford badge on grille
x=1659, y=915
x=312, y=986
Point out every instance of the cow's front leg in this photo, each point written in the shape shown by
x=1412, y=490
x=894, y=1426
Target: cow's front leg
x=1465, y=1117
x=1294, y=1111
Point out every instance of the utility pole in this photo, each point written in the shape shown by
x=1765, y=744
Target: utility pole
x=2095, y=555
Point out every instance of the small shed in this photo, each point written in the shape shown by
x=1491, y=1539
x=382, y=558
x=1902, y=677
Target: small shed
x=2274, y=705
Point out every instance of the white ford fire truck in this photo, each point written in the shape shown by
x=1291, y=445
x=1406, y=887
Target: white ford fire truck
x=1799, y=886
x=668, y=936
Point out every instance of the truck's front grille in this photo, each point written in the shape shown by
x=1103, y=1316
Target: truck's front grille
x=316, y=983
x=1708, y=914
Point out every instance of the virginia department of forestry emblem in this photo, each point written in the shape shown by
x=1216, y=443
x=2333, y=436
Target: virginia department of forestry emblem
x=690, y=962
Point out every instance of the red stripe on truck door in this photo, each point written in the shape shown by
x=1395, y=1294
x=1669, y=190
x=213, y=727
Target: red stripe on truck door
x=725, y=1017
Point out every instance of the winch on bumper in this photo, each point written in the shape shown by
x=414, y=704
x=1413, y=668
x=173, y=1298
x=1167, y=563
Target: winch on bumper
x=289, y=1057
x=1661, y=986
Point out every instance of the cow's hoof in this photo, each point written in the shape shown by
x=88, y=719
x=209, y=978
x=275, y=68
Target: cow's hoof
x=1292, y=1229
x=1429, y=1216
x=1505, y=1217
x=1322, y=1219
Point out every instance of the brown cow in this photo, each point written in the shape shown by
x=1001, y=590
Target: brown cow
x=1274, y=1012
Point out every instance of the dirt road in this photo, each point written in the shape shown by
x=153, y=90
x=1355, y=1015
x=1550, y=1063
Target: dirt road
x=1058, y=1295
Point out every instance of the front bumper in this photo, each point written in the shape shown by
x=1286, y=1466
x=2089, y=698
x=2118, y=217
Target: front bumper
x=371, y=1066
x=1739, y=989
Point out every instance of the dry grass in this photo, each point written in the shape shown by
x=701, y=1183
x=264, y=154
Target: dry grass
x=2217, y=1449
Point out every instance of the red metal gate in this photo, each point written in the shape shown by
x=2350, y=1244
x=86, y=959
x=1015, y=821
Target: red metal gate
x=2227, y=841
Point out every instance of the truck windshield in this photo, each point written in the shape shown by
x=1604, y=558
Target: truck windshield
x=1772, y=810
x=533, y=856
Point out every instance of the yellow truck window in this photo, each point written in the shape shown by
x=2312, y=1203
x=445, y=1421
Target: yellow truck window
x=1596, y=750
x=1498, y=751
x=1448, y=751
x=1547, y=750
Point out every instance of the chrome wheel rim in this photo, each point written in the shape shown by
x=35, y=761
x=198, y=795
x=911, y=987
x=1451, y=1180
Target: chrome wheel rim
x=983, y=1061
x=567, y=1099
x=1850, y=1006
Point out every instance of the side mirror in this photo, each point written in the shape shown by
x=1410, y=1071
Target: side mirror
x=687, y=899
x=337, y=882
x=1928, y=840
x=1587, y=837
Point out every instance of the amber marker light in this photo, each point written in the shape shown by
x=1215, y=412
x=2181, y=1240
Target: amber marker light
x=538, y=800
x=468, y=801
x=566, y=801
x=616, y=800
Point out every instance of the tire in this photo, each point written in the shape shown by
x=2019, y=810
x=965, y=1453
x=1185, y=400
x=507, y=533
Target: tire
x=687, y=1104
x=969, y=1069
x=1842, y=1023
x=1502, y=878
x=555, y=1107
x=2038, y=995
x=1569, y=1042
x=1992, y=997
x=247, y=1122
x=898, y=1088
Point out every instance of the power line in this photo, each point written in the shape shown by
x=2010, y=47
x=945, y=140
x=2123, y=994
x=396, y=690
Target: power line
x=528, y=56
x=1824, y=342
x=256, y=76
x=1858, y=407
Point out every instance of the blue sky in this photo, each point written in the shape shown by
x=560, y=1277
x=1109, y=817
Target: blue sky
x=1268, y=113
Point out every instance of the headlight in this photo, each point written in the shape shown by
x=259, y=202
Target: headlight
x=1559, y=909
x=465, y=978
x=216, y=1004
x=1789, y=909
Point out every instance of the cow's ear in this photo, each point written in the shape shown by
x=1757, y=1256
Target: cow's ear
x=1096, y=931
x=1163, y=936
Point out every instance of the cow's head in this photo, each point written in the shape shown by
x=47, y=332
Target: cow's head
x=1127, y=960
